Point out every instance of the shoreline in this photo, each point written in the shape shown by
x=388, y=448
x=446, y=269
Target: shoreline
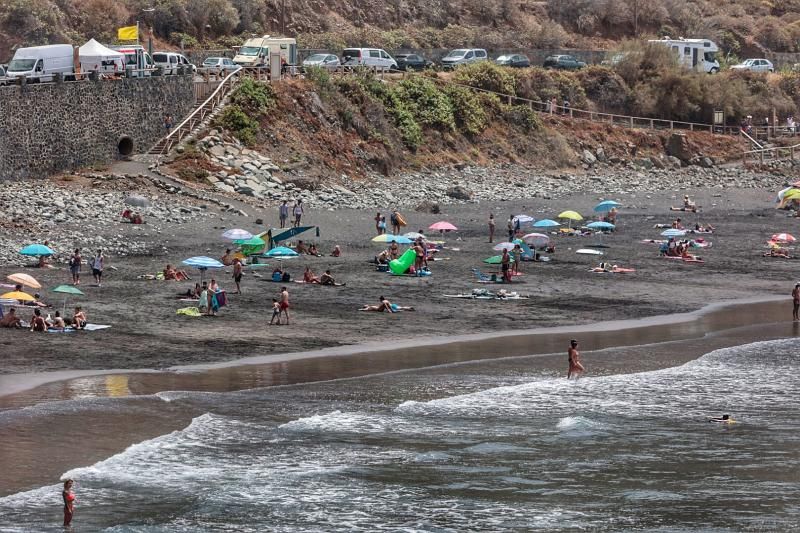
x=19, y=390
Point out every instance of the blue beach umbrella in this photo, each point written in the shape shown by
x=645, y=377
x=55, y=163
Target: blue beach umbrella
x=281, y=251
x=602, y=226
x=608, y=205
x=202, y=263
x=545, y=223
x=672, y=232
x=36, y=249
x=386, y=237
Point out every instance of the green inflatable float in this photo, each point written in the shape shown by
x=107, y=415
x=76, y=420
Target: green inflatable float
x=401, y=265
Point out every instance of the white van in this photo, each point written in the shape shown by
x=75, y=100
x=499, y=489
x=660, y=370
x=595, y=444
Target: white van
x=371, y=57
x=171, y=61
x=39, y=63
x=256, y=52
x=697, y=54
x=463, y=56
x=137, y=60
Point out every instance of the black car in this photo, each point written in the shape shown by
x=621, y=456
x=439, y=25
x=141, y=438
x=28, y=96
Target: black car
x=563, y=62
x=513, y=60
x=412, y=62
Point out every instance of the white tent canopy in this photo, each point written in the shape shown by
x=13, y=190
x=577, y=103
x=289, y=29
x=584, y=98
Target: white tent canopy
x=95, y=56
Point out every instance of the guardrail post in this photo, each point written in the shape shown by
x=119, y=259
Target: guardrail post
x=631, y=122
x=652, y=124
x=761, y=157
x=791, y=152
x=671, y=125
x=571, y=114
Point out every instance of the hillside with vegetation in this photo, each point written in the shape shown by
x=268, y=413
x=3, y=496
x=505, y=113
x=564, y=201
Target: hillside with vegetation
x=742, y=27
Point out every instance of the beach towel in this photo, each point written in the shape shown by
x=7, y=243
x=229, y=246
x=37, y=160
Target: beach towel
x=95, y=327
x=188, y=311
x=615, y=270
x=66, y=330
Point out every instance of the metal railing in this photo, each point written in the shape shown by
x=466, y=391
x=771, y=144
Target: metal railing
x=187, y=126
x=774, y=153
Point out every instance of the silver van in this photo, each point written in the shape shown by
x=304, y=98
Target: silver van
x=370, y=57
x=171, y=61
x=463, y=56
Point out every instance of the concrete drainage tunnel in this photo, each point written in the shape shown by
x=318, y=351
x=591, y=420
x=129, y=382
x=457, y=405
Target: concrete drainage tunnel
x=125, y=146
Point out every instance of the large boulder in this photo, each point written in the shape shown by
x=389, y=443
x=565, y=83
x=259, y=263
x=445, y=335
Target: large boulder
x=459, y=193
x=678, y=146
x=588, y=157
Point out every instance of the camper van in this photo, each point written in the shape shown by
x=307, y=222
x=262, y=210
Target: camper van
x=39, y=63
x=256, y=52
x=137, y=60
x=697, y=54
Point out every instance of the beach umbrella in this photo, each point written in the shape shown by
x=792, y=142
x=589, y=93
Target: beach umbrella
x=202, y=263
x=36, y=249
x=536, y=239
x=386, y=237
x=237, y=234
x=413, y=235
x=255, y=240
x=570, y=215
x=137, y=200
x=442, y=226
x=281, y=251
x=500, y=246
x=600, y=226
x=494, y=260
x=523, y=219
x=67, y=290
x=672, y=232
x=608, y=205
x=778, y=237
x=26, y=280
x=545, y=223
x=17, y=295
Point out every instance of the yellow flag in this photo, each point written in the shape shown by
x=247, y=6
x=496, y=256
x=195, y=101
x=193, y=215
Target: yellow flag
x=128, y=33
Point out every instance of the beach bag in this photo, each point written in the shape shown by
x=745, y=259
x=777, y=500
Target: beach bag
x=276, y=276
x=286, y=277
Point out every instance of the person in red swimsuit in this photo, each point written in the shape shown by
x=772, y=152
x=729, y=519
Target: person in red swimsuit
x=69, y=502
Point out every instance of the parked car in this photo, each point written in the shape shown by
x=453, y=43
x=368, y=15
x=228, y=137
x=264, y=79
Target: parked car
x=329, y=61
x=370, y=57
x=463, y=56
x=755, y=65
x=513, y=60
x=40, y=62
x=171, y=61
x=216, y=65
x=563, y=62
x=412, y=62
x=3, y=78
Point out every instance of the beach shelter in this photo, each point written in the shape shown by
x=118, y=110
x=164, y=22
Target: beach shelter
x=388, y=238
x=608, y=205
x=442, y=226
x=17, y=295
x=95, y=56
x=599, y=228
x=778, y=237
x=37, y=250
x=522, y=219
x=237, y=234
x=545, y=223
x=276, y=236
x=536, y=239
x=67, y=290
x=570, y=216
x=25, y=279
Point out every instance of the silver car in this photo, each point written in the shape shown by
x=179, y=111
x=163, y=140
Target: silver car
x=323, y=61
x=755, y=65
x=215, y=65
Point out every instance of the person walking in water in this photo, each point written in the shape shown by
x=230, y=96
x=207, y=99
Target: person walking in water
x=69, y=502
x=796, y=302
x=283, y=213
x=574, y=357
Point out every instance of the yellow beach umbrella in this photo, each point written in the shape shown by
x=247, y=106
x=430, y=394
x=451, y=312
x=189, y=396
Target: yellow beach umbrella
x=26, y=280
x=17, y=295
x=571, y=215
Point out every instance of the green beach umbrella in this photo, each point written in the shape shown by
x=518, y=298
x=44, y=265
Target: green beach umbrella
x=494, y=260
x=67, y=290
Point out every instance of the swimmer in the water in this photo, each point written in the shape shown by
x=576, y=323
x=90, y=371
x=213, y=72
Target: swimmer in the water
x=725, y=419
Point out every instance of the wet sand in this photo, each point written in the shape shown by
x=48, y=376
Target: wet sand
x=51, y=440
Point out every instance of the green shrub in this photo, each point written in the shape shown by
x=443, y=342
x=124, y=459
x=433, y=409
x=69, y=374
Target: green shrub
x=522, y=116
x=605, y=88
x=542, y=85
x=234, y=119
x=468, y=110
x=427, y=103
x=319, y=77
x=188, y=41
x=254, y=97
x=488, y=76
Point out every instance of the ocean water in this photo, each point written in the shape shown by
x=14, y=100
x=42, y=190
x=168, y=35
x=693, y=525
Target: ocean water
x=491, y=446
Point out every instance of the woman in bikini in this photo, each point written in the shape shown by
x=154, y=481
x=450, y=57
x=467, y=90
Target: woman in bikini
x=69, y=502
x=574, y=358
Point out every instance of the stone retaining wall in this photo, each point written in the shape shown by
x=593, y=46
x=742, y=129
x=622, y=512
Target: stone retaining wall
x=53, y=127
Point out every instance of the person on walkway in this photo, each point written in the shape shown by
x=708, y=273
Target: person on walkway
x=75, y=267
x=168, y=122
x=574, y=358
x=491, y=227
x=97, y=267
x=796, y=302
x=298, y=212
x=237, y=275
x=69, y=502
x=284, y=303
x=283, y=213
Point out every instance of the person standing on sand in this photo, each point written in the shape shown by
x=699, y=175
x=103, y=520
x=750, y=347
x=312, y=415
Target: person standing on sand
x=75, y=267
x=298, y=212
x=283, y=213
x=284, y=304
x=491, y=227
x=237, y=275
x=574, y=357
x=510, y=227
x=69, y=502
x=378, y=223
x=505, y=263
x=97, y=267
x=796, y=302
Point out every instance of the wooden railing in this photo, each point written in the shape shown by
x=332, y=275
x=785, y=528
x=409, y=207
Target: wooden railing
x=774, y=153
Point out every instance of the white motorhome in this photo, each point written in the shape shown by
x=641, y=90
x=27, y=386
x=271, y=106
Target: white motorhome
x=256, y=52
x=39, y=63
x=698, y=54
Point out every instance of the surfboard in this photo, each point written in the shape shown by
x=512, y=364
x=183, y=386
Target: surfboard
x=588, y=251
x=400, y=220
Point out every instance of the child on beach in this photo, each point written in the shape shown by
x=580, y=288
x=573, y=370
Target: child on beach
x=276, y=312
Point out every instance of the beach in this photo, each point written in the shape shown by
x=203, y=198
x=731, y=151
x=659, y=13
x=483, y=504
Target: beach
x=641, y=322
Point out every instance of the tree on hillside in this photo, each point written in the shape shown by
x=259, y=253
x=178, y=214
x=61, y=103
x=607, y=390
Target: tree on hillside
x=217, y=17
x=32, y=22
x=645, y=13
